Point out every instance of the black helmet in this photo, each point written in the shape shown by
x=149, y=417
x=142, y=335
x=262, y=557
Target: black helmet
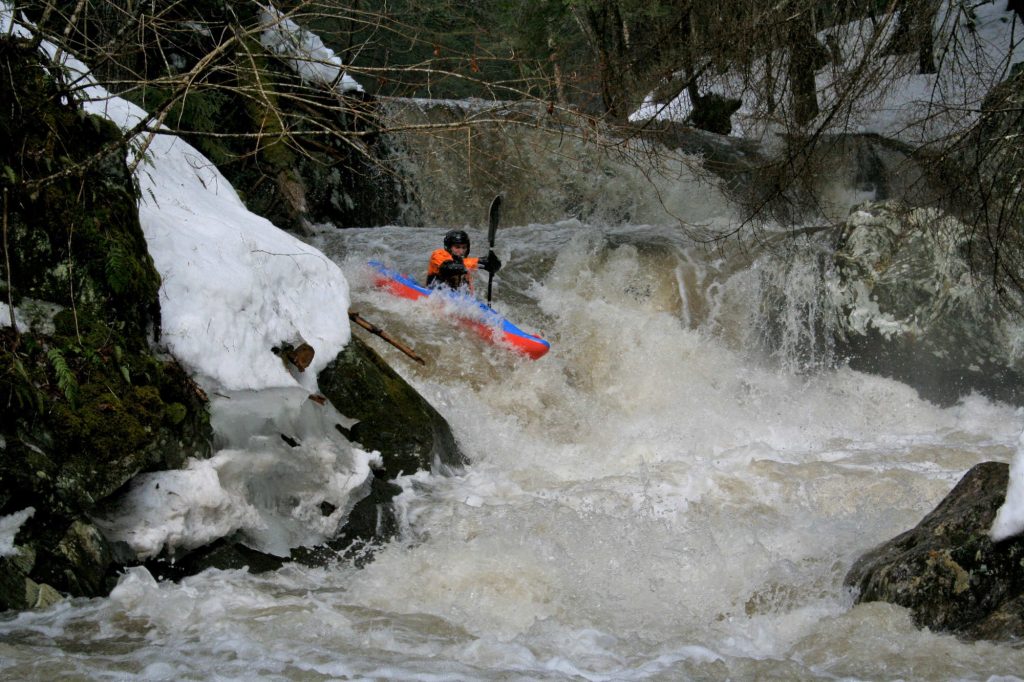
x=453, y=237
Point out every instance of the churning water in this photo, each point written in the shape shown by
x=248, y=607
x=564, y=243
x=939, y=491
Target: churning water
x=654, y=499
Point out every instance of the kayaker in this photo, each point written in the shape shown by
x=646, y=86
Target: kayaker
x=452, y=266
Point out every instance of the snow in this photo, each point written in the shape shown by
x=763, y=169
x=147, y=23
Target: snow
x=1009, y=519
x=5, y=318
x=234, y=286
x=9, y=526
x=306, y=53
x=987, y=46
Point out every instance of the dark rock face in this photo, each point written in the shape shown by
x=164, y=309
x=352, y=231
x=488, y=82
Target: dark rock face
x=713, y=112
x=87, y=403
x=947, y=571
x=393, y=417
x=221, y=554
x=397, y=421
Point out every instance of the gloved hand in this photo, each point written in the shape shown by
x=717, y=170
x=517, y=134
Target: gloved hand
x=452, y=272
x=490, y=263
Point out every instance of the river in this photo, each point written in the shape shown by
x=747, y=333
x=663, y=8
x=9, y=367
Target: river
x=657, y=498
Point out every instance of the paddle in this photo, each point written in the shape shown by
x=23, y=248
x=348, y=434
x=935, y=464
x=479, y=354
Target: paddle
x=495, y=215
x=374, y=329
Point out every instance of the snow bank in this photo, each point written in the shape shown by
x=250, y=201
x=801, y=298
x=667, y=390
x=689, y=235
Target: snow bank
x=1010, y=517
x=234, y=285
x=306, y=53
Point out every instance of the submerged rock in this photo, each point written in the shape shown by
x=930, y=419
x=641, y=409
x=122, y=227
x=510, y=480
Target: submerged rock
x=947, y=571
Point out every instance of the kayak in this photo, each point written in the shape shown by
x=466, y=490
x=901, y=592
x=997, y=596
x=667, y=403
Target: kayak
x=491, y=326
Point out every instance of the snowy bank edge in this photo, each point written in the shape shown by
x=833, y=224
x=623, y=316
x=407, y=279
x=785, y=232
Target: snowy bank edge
x=233, y=284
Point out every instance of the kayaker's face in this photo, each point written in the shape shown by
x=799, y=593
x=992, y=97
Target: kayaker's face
x=459, y=250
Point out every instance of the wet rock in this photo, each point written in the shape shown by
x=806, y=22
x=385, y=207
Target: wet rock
x=40, y=596
x=393, y=417
x=947, y=571
x=87, y=556
x=713, y=113
x=913, y=310
x=223, y=555
x=17, y=590
x=14, y=578
x=733, y=159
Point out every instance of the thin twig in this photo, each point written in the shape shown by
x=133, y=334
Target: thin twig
x=10, y=278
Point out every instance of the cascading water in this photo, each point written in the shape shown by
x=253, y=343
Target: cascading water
x=657, y=498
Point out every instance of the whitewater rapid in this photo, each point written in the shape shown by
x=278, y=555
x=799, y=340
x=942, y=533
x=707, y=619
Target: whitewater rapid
x=656, y=498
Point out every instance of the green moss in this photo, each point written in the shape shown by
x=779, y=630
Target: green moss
x=83, y=405
x=76, y=239
x=175, y=413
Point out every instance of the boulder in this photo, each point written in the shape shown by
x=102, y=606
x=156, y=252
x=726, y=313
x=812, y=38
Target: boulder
x=713, y=112
x=17, y=589
x=947, y=571
x=392, y=417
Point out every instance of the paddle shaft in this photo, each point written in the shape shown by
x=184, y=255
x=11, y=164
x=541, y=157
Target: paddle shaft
x=374, y=329
x=492, y=231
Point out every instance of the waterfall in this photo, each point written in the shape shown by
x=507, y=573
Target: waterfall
x=676, y=490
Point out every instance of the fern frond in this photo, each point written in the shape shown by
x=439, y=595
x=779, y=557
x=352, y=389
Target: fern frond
x=119, y=267
x=66, y=380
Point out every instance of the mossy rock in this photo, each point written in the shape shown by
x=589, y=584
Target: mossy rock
x=75, y=238
x=947, y=571
x=393, y=417
x=87, y=404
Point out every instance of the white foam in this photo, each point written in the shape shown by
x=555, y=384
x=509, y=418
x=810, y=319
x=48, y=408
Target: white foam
x=9, y=527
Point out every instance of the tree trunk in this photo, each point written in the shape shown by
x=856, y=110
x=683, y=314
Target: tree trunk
x=1016, y=6
x=607, y=32
x=556, y=66
x=925, y=23
x=915, y=33
x=804, y=59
